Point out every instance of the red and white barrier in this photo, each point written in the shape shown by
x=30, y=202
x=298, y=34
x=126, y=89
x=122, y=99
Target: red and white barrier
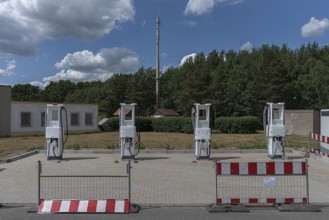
x=262, y=182
x=320, y=138
x=84, y=206
x=261, y=168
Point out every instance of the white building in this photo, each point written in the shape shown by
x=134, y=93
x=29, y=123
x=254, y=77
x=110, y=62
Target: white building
x=28, y=118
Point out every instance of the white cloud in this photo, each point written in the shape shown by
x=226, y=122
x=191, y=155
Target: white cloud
x=199, y=7
x=248, y=46
x=166, y=67
x=164, y=55
x=87, y=66
x=9, y=70
x=39, y=84
x=189, y=23
x=24, y=23
x=187, y=57
x=315, y=27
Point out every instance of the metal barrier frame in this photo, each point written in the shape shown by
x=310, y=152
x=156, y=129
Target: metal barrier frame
x=235, y=172
x=39, y=167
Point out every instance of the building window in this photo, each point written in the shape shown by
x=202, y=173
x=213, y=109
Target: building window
x=25, y=119
x=43, y=119
x=74, y=119
x=88, y=119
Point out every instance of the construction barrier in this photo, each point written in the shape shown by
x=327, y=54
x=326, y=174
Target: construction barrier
x=318, y=138
x=85, y=193
x=262, y=182
x=84, y=206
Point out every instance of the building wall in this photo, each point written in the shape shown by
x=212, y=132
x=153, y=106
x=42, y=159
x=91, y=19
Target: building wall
x=5, y=100
x=302, y=122
x=36, y=110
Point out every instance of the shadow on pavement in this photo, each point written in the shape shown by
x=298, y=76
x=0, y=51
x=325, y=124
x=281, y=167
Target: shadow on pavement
x=78, y=158
x=223, y=158
x=296, y=157
x=152, y=158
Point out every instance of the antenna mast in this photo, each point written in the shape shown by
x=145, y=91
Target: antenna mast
x=157, y=59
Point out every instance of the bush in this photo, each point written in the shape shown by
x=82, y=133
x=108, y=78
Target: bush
x=166, y=124
x=237, y=125
x=114, y=123
x=186, y=125
x=172, y=124
x=142, y=124
x=162, y=124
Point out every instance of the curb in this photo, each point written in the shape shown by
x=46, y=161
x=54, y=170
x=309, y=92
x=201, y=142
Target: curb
x=155, y=151
x=21, y=156
x=151, y=151
x=298, y=208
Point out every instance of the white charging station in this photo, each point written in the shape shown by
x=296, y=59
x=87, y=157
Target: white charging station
x=55, y=117
x=324, y=129
x=274, y=127
x=202, y=131
x=128, y=133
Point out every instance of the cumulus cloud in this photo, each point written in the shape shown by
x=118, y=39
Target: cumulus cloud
x=9, y=70
x=315, y=27
x=199, y=7
x=87, y=66
x=248, y=46
x=24, y=23
x=39, y=84
x=187, y=57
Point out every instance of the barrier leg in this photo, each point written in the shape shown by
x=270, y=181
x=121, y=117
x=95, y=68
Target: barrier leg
x=133, y=208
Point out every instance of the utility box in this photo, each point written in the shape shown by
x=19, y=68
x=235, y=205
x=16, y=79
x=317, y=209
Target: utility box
x=5, y=110
x=324, y=129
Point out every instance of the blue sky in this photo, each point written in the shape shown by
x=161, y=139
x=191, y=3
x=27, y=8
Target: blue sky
x=85, y=40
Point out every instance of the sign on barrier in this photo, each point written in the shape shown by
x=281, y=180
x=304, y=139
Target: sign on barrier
x=85, y=193
x=262, y=182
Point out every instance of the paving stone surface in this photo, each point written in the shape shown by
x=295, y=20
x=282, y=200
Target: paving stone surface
x=157, y=179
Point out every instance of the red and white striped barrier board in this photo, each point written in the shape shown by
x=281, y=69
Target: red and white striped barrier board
x=261, y=182
x=260, y=200
x=321, y=138
x=261, y=168
x=84, y=206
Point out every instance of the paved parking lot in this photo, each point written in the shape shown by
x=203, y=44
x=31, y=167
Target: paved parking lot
x=166, y=179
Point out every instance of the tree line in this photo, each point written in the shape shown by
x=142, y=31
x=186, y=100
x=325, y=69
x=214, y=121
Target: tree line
x=237, y=83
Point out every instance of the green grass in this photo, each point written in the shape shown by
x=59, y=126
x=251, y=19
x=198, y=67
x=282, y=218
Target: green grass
x=149, y=140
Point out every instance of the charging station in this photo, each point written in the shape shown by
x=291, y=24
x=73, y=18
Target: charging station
x=274, y=128
x=55, y=118
x=129, y=138
x=202, y=131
